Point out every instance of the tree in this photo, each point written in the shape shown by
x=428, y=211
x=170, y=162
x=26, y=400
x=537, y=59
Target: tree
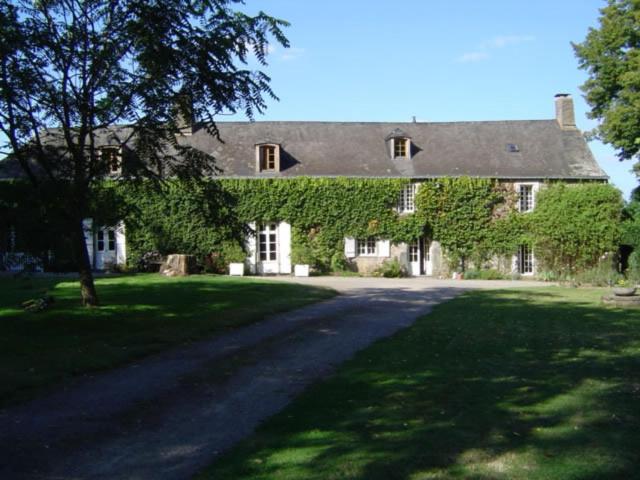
x=70, y=70
x=611, y=56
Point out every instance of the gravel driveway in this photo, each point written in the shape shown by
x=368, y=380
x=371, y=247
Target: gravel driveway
x=170, y=415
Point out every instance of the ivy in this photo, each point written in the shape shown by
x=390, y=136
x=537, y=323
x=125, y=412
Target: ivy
x=574, y=225
x=473, y=219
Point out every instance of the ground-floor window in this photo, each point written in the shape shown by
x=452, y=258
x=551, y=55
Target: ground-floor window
x=525, y=260
x=108, y=240
x=414, y=252
x=367, y=246
x=268, y=242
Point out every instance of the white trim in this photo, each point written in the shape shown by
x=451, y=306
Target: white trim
x=535, y=186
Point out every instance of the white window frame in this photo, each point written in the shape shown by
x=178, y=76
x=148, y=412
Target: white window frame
x=533, y=186
x=262, y=160
x=407, y=200
x=270, y=246
x=367, y=247
x=395, y=142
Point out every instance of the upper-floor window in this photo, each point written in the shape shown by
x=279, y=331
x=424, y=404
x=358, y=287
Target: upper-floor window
x=366, y=246
x=407, y=200
x=400, y=147
x=525, y=197
x=268, y=158
x=111, y=158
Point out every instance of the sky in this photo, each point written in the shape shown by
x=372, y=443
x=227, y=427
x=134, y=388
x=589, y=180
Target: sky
x=373, y=60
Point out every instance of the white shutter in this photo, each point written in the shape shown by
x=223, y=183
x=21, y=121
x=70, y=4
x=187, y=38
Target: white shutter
x=121, y=244
x=384, y=248
x=349, y=247
x=284, y=247
x=87, y=226
x=250, y=244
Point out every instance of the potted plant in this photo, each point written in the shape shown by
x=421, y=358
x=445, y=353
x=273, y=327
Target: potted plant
x=624, y=288
x=302, y=257
x=235, y=256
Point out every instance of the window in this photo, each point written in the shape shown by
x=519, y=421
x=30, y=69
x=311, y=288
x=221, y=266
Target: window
x=268, y=242
x=400, y=147
x=111, y=159
x=525, y=260
x=414, y=252
x=525, y=197
x=406, y=202
x=108, y=240
x=366, y=247
x=268, y=158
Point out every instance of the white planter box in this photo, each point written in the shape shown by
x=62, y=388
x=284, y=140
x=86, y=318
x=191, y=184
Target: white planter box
x=301, y=270
x=236, y=269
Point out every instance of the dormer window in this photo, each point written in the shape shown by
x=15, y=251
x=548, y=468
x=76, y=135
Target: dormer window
x=111, y=159
x=268, y=158
x=400, y=147
x=398, y=144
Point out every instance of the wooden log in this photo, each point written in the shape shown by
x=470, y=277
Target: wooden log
x=178, y=264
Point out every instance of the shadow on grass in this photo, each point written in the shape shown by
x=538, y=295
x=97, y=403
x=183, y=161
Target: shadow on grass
x=140, y=315
x=493, y=385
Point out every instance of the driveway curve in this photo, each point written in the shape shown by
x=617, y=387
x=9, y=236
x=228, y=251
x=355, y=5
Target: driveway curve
x=170, y=415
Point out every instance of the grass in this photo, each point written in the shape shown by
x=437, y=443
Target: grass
x=141, y=314
x=537, y=384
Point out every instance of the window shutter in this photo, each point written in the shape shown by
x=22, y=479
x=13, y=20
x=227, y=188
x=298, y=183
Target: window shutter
x=284, y=239
x=349, y=247
x=121, y=244
x=250, y=245
x=384, y=248
x=87, y=226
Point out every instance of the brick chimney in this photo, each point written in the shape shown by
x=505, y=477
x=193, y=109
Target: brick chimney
x=564, y=111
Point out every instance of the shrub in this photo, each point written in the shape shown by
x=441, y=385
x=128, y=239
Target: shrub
x=488, y=274
x=339, y=263
x=633, y=272
x=391, y=269
x=602, y=275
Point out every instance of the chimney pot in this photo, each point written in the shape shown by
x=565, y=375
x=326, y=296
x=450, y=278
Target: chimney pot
x=565, y=115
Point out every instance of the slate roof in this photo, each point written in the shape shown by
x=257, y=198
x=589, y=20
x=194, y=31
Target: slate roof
x=358, y=149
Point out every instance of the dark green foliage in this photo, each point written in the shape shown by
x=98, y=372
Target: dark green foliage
x=70, y=70
x=611, y=56
x=460, y=213
x=574, y=225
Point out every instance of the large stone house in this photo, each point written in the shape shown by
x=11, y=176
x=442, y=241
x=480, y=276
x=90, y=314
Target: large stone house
x=523, y=154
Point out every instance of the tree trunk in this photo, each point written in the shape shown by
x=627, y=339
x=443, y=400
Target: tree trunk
x=87, y=287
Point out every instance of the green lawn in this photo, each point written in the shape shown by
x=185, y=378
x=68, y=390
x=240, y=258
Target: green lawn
x=142, y=314
x=537, y=384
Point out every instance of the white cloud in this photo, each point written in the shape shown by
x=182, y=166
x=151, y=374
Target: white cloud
x=497, y=42
x=291, y=53
x=501, y=41
x=472, y=57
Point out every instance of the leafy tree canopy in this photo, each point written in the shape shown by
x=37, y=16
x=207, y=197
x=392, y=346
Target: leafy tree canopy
x=611, y=56
x=69, y=70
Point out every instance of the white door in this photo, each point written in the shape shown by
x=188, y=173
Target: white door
x=105, y=247
x=420, y=258
x=414, y=259
x=428, y=263
x=268, y=248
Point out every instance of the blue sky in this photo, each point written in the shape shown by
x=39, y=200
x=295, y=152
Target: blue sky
x=371, y=60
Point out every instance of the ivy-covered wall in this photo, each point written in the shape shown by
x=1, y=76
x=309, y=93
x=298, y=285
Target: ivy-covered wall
x=473, y=219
